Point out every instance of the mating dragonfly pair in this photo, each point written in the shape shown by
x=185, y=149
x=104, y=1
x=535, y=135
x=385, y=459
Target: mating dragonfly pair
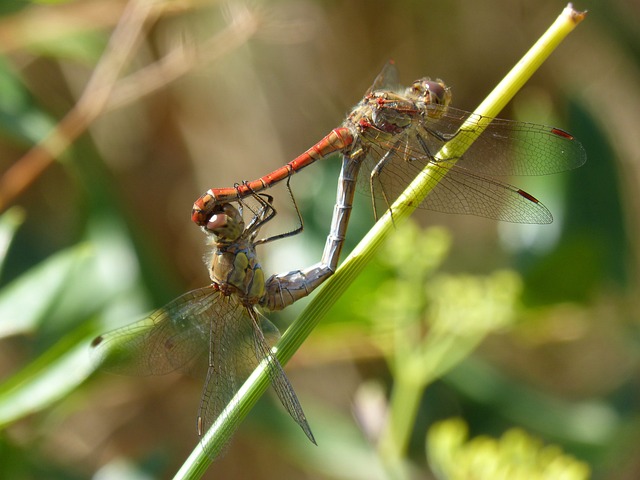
x=393, y=135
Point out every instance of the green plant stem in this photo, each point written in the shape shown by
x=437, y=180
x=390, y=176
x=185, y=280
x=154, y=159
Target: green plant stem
x=257, y=383
x=403, y=408
x=396, y=435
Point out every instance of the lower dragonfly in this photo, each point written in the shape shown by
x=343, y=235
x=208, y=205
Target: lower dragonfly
x=220, y=325
x=394, y=134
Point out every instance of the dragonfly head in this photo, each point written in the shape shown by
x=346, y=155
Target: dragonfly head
x=225, y=223
x=433, y=96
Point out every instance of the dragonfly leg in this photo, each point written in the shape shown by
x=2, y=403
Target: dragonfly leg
x=291, y=233
x=264, y=214
x=375, y=176
x=443, y=137
x=425, y=147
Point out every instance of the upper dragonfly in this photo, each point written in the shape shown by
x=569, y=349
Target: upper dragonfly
x=394, y=134
x=220, y=326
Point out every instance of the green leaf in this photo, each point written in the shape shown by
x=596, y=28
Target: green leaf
x=515, y=455
x=20, y=117
x=71, y=285
x=49, y=378
x=10, y=221
x=25, y=302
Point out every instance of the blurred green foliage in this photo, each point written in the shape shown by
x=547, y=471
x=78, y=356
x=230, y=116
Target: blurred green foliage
x=516, y=455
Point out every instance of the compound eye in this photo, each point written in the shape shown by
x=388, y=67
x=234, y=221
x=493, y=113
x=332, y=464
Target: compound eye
x=216, y=221
x=437, y=92
x=225, y=222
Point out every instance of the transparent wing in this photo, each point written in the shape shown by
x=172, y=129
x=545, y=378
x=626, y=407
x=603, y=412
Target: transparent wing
x=238, y=344
x=459, y=191
x=387, y=79
x=172, y=338
x=279, y=380
x=505, y=148
x=230, y=352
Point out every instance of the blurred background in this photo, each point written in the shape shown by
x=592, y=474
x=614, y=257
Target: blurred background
x=95, y=231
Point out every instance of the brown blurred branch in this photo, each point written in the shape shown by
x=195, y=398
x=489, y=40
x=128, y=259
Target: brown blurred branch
x=121, y=45
x=183, y=59
x=104, y=92
x=41, y=24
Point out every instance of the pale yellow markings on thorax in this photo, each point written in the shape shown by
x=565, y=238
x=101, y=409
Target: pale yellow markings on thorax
x=238, y=276
x=258, y=285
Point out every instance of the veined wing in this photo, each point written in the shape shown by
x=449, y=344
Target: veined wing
x=169, y=339
x=238, y=344
x=506, y=147
x=460, y=191
x=279, y=380
x=387, y=79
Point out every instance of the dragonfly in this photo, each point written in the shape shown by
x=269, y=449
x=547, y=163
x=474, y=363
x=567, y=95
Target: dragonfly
x=220, y=326
x=394, y=134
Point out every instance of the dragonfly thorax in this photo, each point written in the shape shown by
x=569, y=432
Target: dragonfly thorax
x=236, y=271
x=386, y=112
x=233, y=263
x=391, y=113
